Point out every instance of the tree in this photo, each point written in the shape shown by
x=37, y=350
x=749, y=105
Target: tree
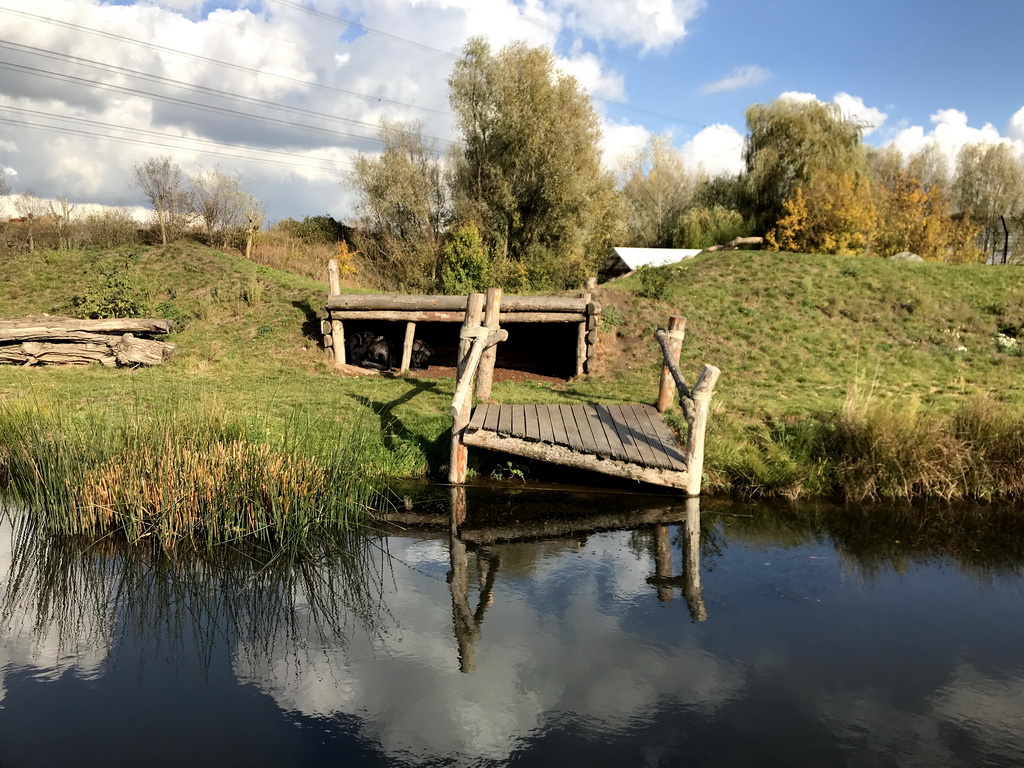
x=912, y=218
x=529, y=171
x=5, y=189
x=61, y=213
x=831, y=213
x=656, y=192
x=217, y=198
x=404, y=208
x=30, y=208
x=702, y=227
x=989, y=184
x=163, y=184
x=788, y=141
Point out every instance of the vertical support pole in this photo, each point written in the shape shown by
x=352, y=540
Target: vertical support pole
x=581, y=339
x=333, y=276
x=459, y=463
x=691, y=562
x=663, y=561
x=667, y=389
x=593, y=320
x=458, y=511
x=338, y=332
x=702, y=392
x=485, y=375
x=590, y=285
x=410, y=335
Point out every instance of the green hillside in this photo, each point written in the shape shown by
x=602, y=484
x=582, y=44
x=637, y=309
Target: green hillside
x=794, y=336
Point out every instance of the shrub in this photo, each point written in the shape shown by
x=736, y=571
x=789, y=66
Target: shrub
x=656, y=282
x=465, y=267
x=118, y=294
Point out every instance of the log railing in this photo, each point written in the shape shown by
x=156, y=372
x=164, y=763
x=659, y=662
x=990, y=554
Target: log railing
x=695, y=403
x=474, y=339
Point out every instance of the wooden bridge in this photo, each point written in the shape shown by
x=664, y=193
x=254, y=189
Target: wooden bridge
x=630, y=441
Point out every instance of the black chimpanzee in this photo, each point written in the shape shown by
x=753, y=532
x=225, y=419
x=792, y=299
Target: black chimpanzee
x=368, y=350
x=421, y=353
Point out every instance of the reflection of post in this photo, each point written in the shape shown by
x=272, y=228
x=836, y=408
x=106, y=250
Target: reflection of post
x=467, y=632
x=458, y=516
x=663, y=562
x=691, y=562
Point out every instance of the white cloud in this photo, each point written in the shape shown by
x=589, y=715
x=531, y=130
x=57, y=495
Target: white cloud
x=620, y=141
x=741, y=77
x=283, y=56
x=718, y=149
x=1015, y=129
x=853, y=107
x=950, y=132
x=652, y=24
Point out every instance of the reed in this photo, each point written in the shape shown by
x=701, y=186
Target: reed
x=876, y=448
x=187, y=473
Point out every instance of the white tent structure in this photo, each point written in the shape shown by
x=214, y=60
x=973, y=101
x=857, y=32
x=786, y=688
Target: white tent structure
x=624, y=260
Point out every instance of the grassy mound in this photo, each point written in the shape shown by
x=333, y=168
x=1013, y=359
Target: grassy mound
x=833, y=367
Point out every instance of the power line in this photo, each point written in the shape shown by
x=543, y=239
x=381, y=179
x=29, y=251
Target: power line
x=150, y=143
x=103, y=66
x=182, y=102
x=218, y=62
x=288, y=156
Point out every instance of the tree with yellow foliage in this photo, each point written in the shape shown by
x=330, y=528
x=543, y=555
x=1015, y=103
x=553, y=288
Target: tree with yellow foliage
x=911, y=218
x=832, y=213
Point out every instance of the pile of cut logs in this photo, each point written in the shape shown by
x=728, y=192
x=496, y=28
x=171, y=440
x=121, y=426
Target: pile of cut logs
x=48, y=340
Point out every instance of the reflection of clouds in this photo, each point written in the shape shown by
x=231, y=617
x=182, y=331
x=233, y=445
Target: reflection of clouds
x=47, y=646
x=987, y=710
x=551, y=647
x=991, y=710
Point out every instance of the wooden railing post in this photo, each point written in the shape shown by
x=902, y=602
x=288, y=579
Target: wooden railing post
x=702, y=392
x=667, y=390
x=485, y=376
x=334, y=276
x=459, y=463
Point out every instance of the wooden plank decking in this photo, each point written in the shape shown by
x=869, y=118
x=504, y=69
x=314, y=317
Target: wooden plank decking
x=624, y=440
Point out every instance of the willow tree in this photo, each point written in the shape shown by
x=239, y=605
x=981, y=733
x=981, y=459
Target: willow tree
x=788, y=141
x=528, y=172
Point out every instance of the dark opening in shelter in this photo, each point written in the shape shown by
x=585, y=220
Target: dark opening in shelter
x=543, y=349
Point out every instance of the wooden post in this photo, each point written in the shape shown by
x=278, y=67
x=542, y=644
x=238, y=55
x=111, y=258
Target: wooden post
x=702, y=392
x=590, y=285
x=458, y=511
x=338, y=332
x=581, y=340
x=667, y=390
x=459, y=463
x=485, y=376
x=333, y=276
x=410, y=335
x=593, y=316
x=334, y=331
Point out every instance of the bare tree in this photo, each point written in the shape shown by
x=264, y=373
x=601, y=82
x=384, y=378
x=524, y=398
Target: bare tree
x=30, y=208
x=61, y=213
x=255, y=213
x=163, y=184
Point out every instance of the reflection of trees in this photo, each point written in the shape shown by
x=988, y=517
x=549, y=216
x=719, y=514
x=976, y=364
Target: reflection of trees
x=235, y=596
x=980, y=538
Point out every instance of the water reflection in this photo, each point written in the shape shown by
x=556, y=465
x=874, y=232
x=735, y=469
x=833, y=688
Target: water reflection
x=625, y=630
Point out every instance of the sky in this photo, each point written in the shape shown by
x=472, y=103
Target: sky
x=285, y=93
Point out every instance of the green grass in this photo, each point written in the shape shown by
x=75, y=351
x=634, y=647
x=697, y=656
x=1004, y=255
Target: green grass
x=794, y=335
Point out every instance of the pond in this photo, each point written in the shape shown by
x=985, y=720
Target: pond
x=558, y=627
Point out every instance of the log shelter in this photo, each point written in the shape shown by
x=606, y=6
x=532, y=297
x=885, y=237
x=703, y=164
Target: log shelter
x=580, y=312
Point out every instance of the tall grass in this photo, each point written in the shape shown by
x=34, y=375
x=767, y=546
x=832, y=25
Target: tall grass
x=877, y=448
x=187, y=473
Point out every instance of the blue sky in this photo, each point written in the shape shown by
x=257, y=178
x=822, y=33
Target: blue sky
x=285, y=95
